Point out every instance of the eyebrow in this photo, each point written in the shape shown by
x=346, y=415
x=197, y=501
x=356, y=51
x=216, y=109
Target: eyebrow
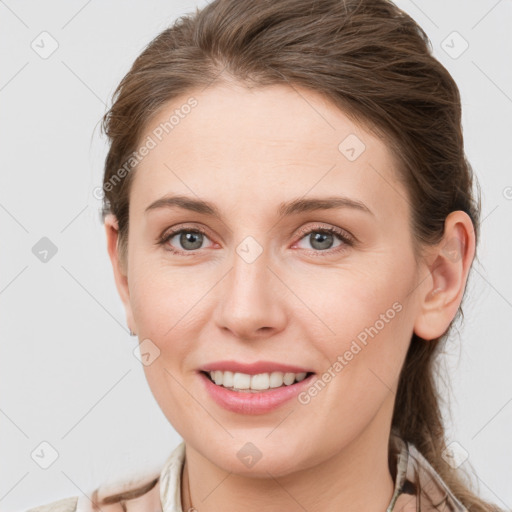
x=284, y=209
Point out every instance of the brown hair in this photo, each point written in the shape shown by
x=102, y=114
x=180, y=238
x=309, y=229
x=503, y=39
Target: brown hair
x=374, y=62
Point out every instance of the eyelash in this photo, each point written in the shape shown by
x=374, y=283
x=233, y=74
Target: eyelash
x=347, y=239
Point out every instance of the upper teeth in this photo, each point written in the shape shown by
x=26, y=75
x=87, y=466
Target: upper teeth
x=259, y=381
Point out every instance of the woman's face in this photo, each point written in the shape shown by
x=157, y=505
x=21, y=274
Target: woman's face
x=265, y=282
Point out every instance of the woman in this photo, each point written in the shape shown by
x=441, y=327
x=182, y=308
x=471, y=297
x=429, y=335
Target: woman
x=291, y=223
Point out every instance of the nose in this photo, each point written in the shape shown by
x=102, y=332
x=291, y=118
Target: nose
x=251, y=300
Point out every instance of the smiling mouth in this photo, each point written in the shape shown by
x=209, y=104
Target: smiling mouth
x=245, y=383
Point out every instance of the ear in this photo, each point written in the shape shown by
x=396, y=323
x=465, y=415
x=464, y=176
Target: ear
x=448, y=263
x=118, y=265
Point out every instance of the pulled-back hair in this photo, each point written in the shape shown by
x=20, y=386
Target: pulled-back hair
x=374, y=62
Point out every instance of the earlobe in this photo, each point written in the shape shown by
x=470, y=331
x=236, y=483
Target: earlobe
x=118, y=266
x=449, y=265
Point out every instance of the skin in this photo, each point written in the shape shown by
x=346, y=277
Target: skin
x=247, y=151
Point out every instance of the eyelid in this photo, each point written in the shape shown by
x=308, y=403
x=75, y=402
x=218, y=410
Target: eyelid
x=174, y=230
x=343, y=233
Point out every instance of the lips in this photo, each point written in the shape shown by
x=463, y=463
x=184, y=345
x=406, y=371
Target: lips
x=238, y=399
x=253, y=368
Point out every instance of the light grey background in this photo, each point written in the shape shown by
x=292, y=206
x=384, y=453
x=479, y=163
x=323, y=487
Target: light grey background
x=69, y=376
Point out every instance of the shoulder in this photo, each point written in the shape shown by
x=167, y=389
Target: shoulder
x=132, y=495
x=140, y=493
x=63, y=505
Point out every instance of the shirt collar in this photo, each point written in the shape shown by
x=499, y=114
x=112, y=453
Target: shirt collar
x=170, y=480
x=418, y=486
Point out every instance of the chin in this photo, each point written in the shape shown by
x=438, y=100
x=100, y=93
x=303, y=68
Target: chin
x=252, y=458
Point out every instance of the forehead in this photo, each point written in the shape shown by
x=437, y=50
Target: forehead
x=272, y=142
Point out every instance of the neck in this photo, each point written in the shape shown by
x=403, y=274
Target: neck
x=354, y=479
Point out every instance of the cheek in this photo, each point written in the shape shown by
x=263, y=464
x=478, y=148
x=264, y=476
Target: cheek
x=162, y=299
x=178, y=406
x=164, y=315
x=365, y=317
x=346, y=301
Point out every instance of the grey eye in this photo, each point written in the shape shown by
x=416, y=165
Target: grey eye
x=189, y=240
x=321, y=241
